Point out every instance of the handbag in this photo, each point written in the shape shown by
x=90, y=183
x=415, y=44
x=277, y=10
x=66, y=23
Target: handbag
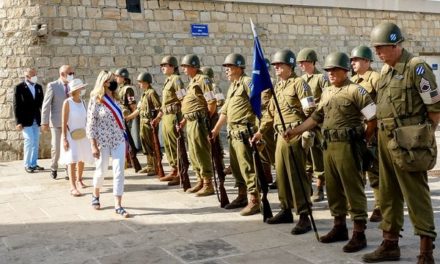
x=78, y=133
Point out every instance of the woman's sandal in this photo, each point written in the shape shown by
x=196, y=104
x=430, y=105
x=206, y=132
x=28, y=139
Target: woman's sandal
x=75, y=193
x=121, y=211
x=95, y=202
x=81, y=184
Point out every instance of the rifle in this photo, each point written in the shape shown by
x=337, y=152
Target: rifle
x=260, y=177
x=157, y=151
x=217, y=164
x=292, y=154
x=131, y=151
x=182, y=158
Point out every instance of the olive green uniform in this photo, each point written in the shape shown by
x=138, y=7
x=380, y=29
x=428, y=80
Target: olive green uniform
x=369, y=81
x=340, y=111
x=317, y=82
x=195, y=111
x=148, y=108
x=171, y=109
x=238, y=110
x=410, y=86
x=290, y=94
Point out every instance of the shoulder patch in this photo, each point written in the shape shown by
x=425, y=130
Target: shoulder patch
x=424, y=85
x=325, y=77
x=420, y=69
x=362, y=90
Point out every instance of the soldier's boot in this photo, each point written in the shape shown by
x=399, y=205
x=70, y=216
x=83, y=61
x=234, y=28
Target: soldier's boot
x=267, y=172
x=358, y=240
x=197, y=187
x=387, y=251
x=228, y=170
x=170, y=176
x=426, y=247
x=253, y=206
x=283, y=216
x=318, y=195
x=241, y=200
x=175, y=180
x=303, y=226
x=149, y=169
x=376, y=215
x=339, y=231
x=208, y=188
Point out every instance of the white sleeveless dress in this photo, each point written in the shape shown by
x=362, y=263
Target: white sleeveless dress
x=79, y=150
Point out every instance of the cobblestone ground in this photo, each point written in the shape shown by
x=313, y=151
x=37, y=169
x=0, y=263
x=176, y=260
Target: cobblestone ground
x=41, y=223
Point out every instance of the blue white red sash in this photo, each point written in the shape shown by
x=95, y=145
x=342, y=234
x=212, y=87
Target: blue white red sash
x=116, y=111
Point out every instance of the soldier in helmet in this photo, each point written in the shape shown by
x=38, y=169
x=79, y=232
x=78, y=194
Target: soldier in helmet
x=128, y=98
x=407, y=96
x=295, y=100
x=361, y=58
x=317, y=81
x=198, y=104
x=237, y=112
x=342, y=108
x=147, y=109
x=172, y=96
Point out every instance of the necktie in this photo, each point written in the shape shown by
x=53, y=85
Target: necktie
x=66, y=90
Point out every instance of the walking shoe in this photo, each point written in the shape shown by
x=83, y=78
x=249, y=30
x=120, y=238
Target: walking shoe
x=284, y=216
x=53, y=174
x=29, y=170
x=387, y=251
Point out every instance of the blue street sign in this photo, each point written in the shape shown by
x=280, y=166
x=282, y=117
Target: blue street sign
x=435, y=66
x=199, y=30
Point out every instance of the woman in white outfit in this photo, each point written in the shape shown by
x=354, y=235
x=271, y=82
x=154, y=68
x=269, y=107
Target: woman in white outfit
x=76, y=147
x=106, y=130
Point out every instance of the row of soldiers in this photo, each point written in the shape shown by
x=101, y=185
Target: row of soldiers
x=330, y=117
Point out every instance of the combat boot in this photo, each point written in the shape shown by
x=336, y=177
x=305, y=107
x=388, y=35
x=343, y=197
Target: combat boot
x=208, y=188
x=303, y=226
x=197, y=187
x=267, y=173
x=387, y=251
x=149, y=169
x=426, y=248
x=170, y=176
x=358, y=240
x=282, y=217
x=253, y=206
x=339, y=231
x=318, y=195
x=174, y=181
x=240, y=201
x=376, y=215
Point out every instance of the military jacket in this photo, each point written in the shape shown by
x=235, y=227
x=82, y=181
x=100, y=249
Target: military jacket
x=317, y=82
x=294, y=97
x=369, y=81
x=237, y=106
x=127, y=97
x=149, y=105
x=198, y=94
x=344, y=107
x=171, y=90
x=409, y=86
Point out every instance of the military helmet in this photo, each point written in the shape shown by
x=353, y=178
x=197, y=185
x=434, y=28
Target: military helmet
x=386, y=33
x=362, y=52
x=285, y=56
x=145, y=77
x=171, y=60
x=191, y=60
x=208, y=71
x=337, y=60
x=235, y=59
x=307, y=55
x=123, y=72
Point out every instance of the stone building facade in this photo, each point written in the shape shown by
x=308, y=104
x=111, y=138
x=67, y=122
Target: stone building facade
x=92, y=35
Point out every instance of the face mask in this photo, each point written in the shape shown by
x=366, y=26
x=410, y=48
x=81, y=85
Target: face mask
x=34, y=79
x=70, y=77
x=113, y=86
x=83, y=92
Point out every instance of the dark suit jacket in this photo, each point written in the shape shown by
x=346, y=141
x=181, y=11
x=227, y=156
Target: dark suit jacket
x=26, y=108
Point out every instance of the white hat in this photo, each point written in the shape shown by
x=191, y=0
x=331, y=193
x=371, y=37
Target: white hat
x=76, y=84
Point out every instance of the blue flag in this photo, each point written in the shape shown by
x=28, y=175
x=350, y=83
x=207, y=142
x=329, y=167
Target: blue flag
x=260, y=76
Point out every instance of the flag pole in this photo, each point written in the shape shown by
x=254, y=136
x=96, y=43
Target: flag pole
x=309, y=208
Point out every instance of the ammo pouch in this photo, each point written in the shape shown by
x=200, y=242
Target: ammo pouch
x=413, y=148
x=78, y=134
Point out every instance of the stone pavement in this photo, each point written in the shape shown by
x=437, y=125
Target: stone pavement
x=41, y=223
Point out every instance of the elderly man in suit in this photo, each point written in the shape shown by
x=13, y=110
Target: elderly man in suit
x=56, y=92
x=28, y=98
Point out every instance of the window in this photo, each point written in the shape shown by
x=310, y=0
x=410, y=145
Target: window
x=133, y=6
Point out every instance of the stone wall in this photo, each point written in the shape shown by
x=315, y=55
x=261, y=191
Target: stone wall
x=100, y=34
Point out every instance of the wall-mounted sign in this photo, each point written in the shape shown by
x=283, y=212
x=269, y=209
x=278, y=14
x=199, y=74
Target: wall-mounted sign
x=434, y=66
x=199, y=30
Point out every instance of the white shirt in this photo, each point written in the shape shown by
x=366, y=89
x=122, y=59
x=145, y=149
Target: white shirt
x=31, y=87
